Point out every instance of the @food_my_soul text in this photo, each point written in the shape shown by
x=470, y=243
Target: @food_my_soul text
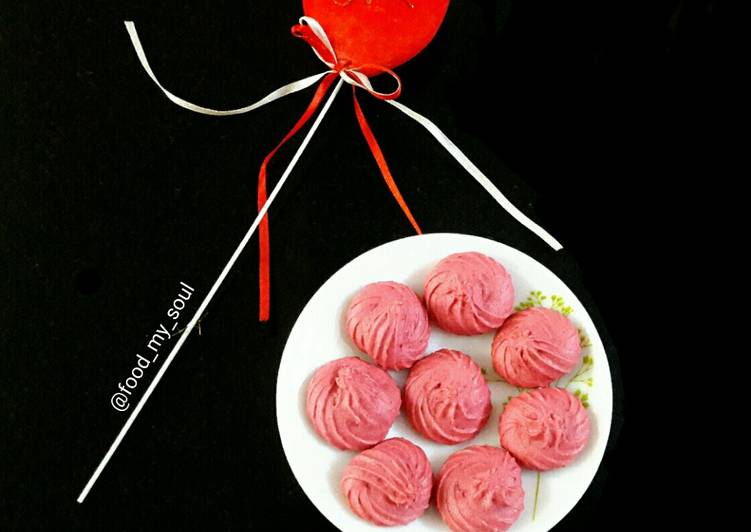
x=122, y=398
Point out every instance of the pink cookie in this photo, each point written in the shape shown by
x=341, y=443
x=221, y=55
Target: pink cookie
x=469, y=293
x=480, y=488
x=446, y=397
x=352, y=404
x=389, y=484
x=544, y=429
x=388, y=322
x=534, y=347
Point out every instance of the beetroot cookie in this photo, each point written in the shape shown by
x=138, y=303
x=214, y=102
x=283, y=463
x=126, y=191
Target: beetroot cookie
x=469, y=293
x=389, y=484
x=534, y=347
x=544, y=429
x=388, y=322
x=480, y=488
x=446, y=397
x=352, y=404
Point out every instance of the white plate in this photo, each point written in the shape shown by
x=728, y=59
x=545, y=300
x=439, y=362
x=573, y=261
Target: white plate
x=319, y=337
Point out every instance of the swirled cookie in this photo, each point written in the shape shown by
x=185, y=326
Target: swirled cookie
x=545, y=428
x=534, y=347
x=389, y=484
x=446, y=397
x=388, y=322
x=469, y=293
x=352, y=404
x=479, y=488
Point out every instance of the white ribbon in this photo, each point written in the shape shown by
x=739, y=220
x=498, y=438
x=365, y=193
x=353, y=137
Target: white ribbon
x=357, y=78
x=475, y=172
x=317, y=30
x=281, y=92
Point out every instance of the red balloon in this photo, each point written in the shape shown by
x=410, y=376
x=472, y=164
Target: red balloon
x=386, y=33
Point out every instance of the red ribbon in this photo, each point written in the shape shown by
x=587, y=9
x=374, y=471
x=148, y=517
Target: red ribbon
x=264, y=281
x=304, y=32
x=381, y=161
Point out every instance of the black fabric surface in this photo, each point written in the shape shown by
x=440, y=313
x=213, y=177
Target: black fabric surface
x=111, y=195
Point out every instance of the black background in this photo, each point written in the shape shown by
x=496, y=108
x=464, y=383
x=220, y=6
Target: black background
x=110, y=196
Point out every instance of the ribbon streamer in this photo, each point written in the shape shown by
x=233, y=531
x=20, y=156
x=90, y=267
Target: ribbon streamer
x=264, y=276
x=281, y=92
x=481, y=178
x=381, y=162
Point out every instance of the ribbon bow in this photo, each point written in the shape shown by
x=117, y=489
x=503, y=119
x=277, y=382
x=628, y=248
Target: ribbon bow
x=311, y=31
